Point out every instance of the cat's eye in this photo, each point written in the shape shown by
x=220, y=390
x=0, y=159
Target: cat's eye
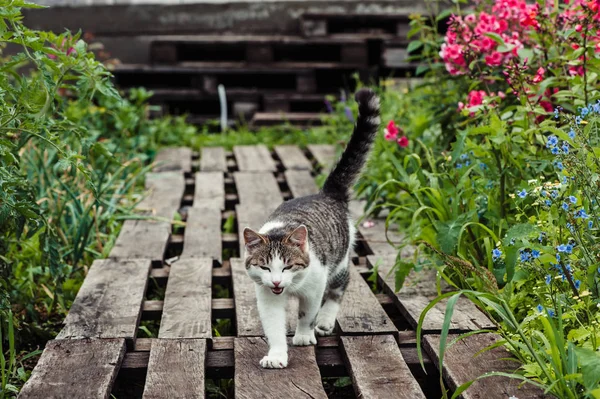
x=287, y=267
x=265, y=268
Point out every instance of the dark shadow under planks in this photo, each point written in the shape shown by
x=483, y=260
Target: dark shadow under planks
x=246, y=312
x=109, y=303
x=292, y=157
x=301, y=378
x=187, y=304
x=176, y=369
x=324, y=154
x=254, y=158
x=210, y=187
x=463, y=362
x=142, y=239
x=378, y=369
x=82, y=368
x=360, y=311
x=212, y=159
x=170, y=159
x=301, y=183
x=202, y=237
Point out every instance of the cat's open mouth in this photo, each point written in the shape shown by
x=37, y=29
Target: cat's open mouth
x=277, y=290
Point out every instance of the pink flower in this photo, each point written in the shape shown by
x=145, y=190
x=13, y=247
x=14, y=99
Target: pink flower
x=494, y=59
x=539, y=76
x=403, y=141
x=476, y=98
x=368, y=224
x=391, y=131
x=501, y=94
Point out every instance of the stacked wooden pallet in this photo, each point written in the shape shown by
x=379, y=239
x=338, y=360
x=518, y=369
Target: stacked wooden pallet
x=271, y=79
x=169, y=279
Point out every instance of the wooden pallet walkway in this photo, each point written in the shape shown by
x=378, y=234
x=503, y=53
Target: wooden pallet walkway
x=184, y=286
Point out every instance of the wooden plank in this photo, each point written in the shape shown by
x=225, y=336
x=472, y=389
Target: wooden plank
x=174, y=159
x=244, y=295
x=301, y=183
x=294, y=118
x=212, y=159
x=165, y=191
x=465, y=360
x=210, y=187
x=360, y=311
x=176, y=369
x=324, y=154
x=187, y=305
x=142, y=239
x=301, y=378
x=257, y=189
x=254, y=158
x=378, y=369
x=202, y=237
x=292, y=157
x=85, y=368
x=109, y=302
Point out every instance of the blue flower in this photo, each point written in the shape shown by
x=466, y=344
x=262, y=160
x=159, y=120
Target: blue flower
x=551, y=313
x=556, y=113
x=552, y=141
x=548, y=202
x=559, y=165
x=467, y=163
x=464, y=156
x=577, y=284
x=555, y=150
x=578, y=120
x=540, y=308
x=483, y=166
x=573, y=199
x=583, y=111
x=590, y=224
x=459, y=165
x=512, y=241
x=572, y=134
x=558, y=257
x=581, y=214
x=565, y=206
x=525, y=256
x=564, y=177
x=569, y=248
x=496, y=253
x=522, y=193
x=596, y=108
x=548, y=279
x=561, y=248
x=554, y=194
x=565, y=148
x=535, y=254
x=598, y=270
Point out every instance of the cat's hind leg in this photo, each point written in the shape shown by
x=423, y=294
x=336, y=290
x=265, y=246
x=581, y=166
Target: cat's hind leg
x=332, y=299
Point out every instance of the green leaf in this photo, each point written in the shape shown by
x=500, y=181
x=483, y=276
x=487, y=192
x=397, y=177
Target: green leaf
x=520, y=232
x=421, y=69
x=495, y=37
x=414, y=45
x=448, y=233
x=402, y=270
x=589, y=361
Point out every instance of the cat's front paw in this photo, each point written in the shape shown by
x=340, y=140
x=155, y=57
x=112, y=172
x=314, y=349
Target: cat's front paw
x=304, y=339
x=324, y=328
x=274, y=361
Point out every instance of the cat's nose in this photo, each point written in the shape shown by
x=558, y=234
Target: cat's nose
x=276, y=283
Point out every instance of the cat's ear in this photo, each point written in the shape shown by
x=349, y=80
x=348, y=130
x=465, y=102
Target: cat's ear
x=298, y=237
x=252, y=239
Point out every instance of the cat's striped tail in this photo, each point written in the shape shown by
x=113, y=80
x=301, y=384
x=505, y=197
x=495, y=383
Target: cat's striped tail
x=344, y=175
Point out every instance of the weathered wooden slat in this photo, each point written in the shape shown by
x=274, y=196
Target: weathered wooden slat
x=294, y=118
x=109, y=302
x=210, y=187
x=212, y=159
x=465, y=360
x=186, y=309
x=165, y=191
x=254, y=158
x=301, y=183
x=378, y=369
x=203, y=232
x=174, y=159
x=360, y=312
x=292, y=157
x=324, y=154
x=142, y=239
x=85, y=368
x=244, y=294
x=301, y=378
x=176, y=369
x=419, y=287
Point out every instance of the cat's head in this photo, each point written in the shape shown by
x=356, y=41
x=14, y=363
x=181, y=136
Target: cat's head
x=277, y=259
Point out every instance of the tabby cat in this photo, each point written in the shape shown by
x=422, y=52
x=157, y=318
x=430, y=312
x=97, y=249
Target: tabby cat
x=303, y=248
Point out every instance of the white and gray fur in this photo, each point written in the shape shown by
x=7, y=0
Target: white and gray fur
x=304, y=247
